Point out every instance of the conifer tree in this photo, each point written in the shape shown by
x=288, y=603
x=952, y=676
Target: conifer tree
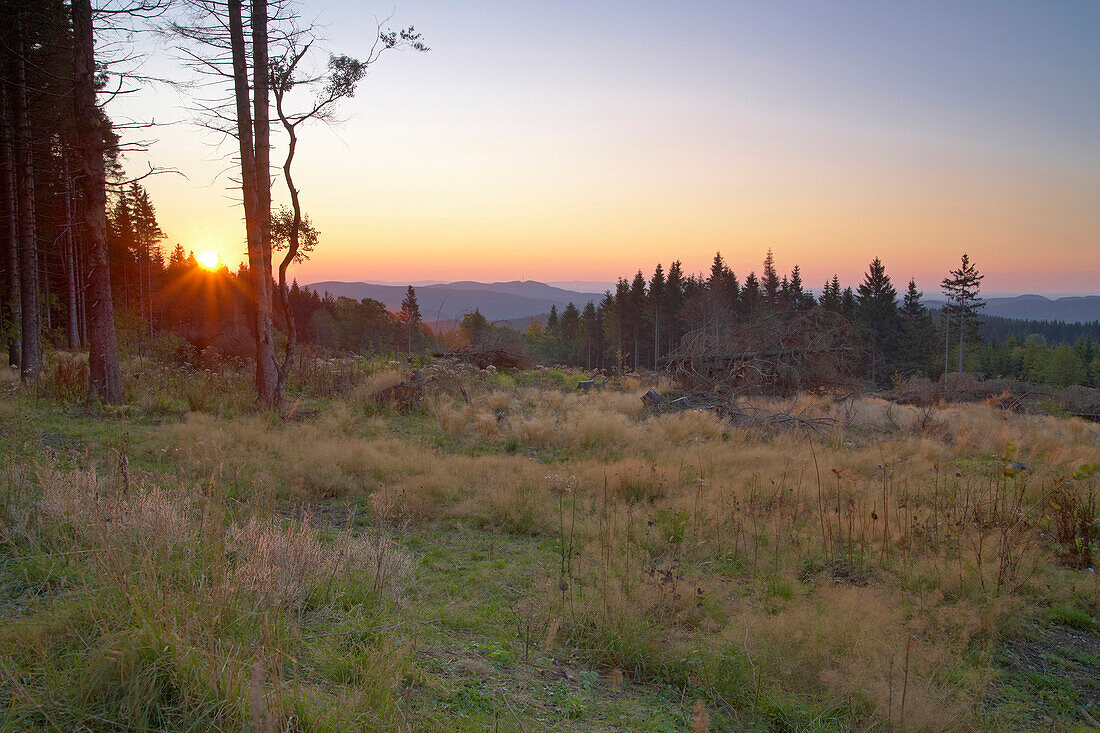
x=918, y=332
x=769, y=282
x=591, y=335
x=830, y=295
x=655, y=311
x=962, y=287
x=877, y=309
x=796, y=291
x=751, y=297
x=410, y=317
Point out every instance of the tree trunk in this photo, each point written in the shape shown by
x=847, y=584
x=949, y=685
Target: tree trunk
x=962, y=335
x=946, y=343
x=291, y=251
x=266, y=378
x=11, y=234
x=261, y=120
x=102, y=342
x=69, y=257
x=31, y=362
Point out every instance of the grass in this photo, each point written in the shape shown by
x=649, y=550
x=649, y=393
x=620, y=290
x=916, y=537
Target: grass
x=514, y=554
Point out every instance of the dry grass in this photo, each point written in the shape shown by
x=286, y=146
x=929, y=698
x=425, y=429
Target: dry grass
x=798, y=576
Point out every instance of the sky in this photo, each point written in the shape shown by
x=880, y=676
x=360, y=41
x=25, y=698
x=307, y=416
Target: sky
x=581, y=141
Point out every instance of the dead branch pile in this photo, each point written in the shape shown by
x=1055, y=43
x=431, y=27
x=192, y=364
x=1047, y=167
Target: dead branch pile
x=506, y=357
x=1004, y=393
x=774, y=354
x=405, y=395
x=741, y=414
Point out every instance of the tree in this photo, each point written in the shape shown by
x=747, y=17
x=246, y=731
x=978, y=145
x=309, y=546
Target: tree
x=918, y=331
x=796, y=292
x=338, y=82
x=769, y=281
x=751, y=297
x=655, y=311
x=103, y=365
x=830, y=295
x=674, y=301
x=591, y=334
x=635, y=316
x=962, y=287
x=270, y=63
x=30, y=326
x=475, y=327
x=147, y=237
x=877, y=310
x=11, y=318
x=410, y=316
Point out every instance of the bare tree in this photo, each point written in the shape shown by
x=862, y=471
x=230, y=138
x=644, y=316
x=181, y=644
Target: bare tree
x=337, y=82
x=268, y=63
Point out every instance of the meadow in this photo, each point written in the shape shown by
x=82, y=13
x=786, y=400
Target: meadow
x=510, y=553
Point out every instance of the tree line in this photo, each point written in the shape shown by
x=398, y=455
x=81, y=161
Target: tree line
x=641, y=323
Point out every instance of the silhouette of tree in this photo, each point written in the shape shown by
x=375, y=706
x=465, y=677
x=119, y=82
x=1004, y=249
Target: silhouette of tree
x=962, y=287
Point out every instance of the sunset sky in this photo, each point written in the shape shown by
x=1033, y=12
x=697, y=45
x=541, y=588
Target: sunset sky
x=583, y=140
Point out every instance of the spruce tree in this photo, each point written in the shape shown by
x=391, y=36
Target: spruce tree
x=877, y=311
x=918, y=332
x=962, y=287
x=830, y=295
x=410, y=316
x=751, y=297
x=796, y=291
x=769, y=282
x=655, y=311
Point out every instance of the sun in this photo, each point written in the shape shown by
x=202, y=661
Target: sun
x=209, y=260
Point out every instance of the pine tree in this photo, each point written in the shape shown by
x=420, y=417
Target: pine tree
x=722, y=293
x=962, y=287
x=877, y=311
x=769, y=282
x=796, y=291
x=655, y=311
x=410, y=316
x=552, y=324
x=848, y=304
x=635, y=318
x=591, y=335
x=830, y=295
x=751, y=297
x=918, y=332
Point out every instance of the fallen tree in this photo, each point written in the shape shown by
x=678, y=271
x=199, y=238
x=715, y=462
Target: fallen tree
x=779, y=354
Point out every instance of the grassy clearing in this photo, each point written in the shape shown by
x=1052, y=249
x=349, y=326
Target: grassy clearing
x=516, y=555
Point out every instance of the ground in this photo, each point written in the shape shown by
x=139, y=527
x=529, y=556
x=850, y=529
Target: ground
x=509, y=554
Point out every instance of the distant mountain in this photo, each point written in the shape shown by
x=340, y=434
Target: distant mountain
x=520, y=300
x=1077, y=309
x=449, y=302
x=586, y=286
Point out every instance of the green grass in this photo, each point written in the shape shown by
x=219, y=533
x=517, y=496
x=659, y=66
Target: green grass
x=156, y=637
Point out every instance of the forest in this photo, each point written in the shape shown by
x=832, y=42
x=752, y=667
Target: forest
x=86, y=266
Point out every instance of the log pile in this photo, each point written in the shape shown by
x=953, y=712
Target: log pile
x=778, y=354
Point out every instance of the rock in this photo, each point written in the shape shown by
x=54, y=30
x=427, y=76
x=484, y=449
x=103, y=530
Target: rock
x=651, y=398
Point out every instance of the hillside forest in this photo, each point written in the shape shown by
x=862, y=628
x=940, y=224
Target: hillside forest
x=87, y=266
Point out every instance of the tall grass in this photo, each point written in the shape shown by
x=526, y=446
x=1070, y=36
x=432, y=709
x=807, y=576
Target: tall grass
x=858, y=575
